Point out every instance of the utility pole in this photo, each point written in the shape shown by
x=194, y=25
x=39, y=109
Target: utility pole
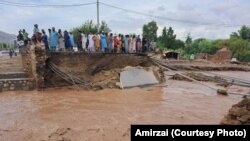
x=98, y=16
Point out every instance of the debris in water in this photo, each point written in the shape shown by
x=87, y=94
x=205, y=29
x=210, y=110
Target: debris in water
x=136, y=76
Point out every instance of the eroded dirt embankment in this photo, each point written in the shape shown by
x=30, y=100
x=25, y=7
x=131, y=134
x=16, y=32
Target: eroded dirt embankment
x=99, y=69
x=239, y=114
x=202, y=65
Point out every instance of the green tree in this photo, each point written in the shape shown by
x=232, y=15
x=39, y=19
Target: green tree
x=234, y=35
x=179, y=44
x=240, y=49
x=243, y=33
x=5, y=46
x=239, y=44
x=189, y=40
x=188, y=43
x=219, y=43
x=150, y=31
x=168, y=38
x=104, y=27
x=206, y=46
x=89, y=27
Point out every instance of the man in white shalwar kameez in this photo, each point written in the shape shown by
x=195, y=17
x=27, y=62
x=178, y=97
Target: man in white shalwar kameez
x=91, y=46
x=84, y=40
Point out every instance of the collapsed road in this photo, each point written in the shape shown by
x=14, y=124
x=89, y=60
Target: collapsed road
x=234, y=81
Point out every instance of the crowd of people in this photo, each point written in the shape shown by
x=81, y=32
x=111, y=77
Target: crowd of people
x=93, y=42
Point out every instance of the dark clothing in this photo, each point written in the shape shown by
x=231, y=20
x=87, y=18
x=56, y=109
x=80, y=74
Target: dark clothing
x=136, y=45
x=79, y=42
x=45, y=41
x=87, y=44
x=20, y=37
x=123, y=50
x=67, y=41
x=144, y=45
x=123, y=46
x=79, y=46
x=25, y=38
x=11, y=53
x=38, y=37
x=115, y=49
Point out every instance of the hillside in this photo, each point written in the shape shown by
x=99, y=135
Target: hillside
x=6, y=37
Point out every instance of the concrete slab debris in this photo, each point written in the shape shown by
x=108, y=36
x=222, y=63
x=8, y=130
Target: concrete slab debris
x=134, y=77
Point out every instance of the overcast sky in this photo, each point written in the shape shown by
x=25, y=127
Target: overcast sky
x=226, y=12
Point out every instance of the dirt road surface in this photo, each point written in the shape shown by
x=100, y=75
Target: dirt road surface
x=13, y=64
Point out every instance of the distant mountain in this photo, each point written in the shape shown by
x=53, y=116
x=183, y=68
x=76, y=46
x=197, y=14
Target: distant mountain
x=6, y=37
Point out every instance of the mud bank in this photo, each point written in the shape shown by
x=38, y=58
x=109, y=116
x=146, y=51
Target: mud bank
x=100, y=69
x=239, y=114
x=207, y=66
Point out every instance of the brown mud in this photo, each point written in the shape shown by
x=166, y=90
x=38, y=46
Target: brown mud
x=202, y=65
x=239, y=114
x=13, y=64
x=100, y=69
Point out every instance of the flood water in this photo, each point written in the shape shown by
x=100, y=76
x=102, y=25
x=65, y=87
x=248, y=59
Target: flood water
x=106, y=115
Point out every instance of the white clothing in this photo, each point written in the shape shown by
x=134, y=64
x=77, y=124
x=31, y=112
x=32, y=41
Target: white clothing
x=84, y=40
x=91, y=46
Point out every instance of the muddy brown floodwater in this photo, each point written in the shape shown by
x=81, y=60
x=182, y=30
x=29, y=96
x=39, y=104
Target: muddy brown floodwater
x=106, y=115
